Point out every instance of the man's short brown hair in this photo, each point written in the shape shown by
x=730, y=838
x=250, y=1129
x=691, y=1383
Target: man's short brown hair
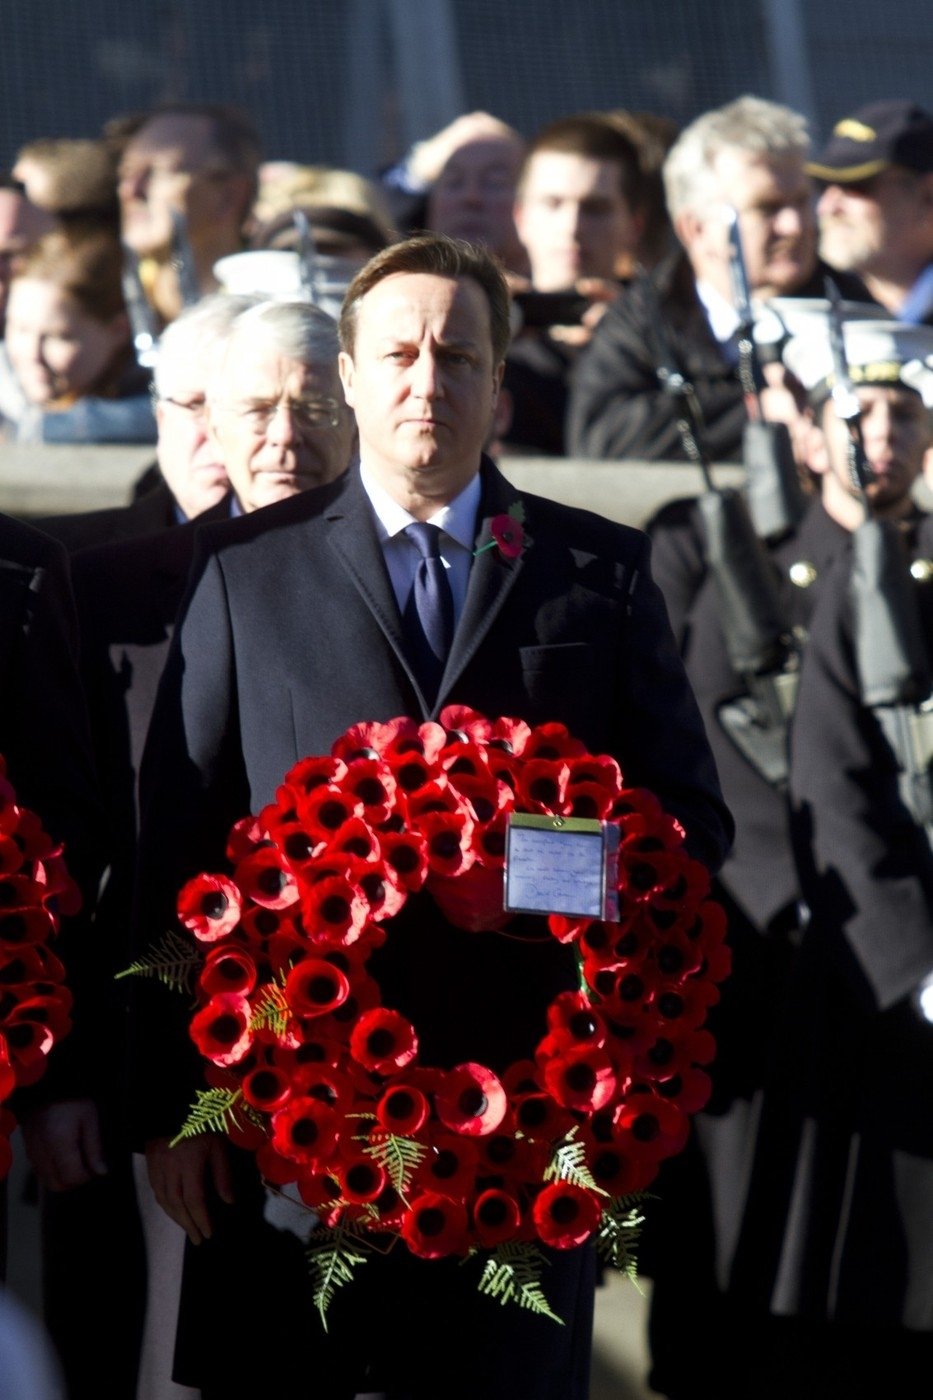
x=594, y=136
x=439, y=256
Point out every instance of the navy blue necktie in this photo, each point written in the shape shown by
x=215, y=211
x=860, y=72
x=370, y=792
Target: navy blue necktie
x=429, y=611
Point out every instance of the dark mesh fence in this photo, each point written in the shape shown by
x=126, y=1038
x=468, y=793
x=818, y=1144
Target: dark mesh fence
x=351, y=82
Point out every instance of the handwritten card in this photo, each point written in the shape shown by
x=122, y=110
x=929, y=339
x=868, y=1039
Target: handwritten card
x=561, y=865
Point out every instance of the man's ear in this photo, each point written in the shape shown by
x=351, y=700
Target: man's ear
x=345, y=370
x=688, y=225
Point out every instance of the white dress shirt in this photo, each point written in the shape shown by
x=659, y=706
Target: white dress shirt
x=457, y=522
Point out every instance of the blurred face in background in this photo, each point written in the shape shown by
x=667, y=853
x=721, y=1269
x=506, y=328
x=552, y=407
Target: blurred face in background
x=474, y=194
x=896, y=433
x=774, y=199
x=59, y=352
x=877, y=224
x=573, y=219
x=171, y=164
x=21, y=224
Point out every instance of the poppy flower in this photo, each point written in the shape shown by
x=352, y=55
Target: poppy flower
x=565, y=1215
x=614, y=1171
x=462, y=719
x=356, y=838
x=588, y=800
x=370, y=740
x=509, y=535
x=542, y=785
x=245, y=835
x=450, y=1166
x=552, y=741
x=682, y=1006
x=308, y=774
x=690, y=1089
x=540, y=1118
x=264, y=877
x=333, y=910
x=496, y=1217
x=371, y=782
x=383, y=1041
x=324, y=810
x=435, y=1226
x=581, y=1077
x=361, y=1178
x=305, y=1130
x=25, y=926
x=649, y=1127
x=574, y=1021
x=471, y=1100
x=28, y=1042
x=447, y=837
x=320, y=1191
x=402, y=1110
x=11, y=855
x=411, y=771
x=315, y=987
x=404, y=852
x=267, y=1088
x=275, y=1169
x=209, y=906
x=434, y=796
x=509, y=735
x=221, y=1030
x=7, y=1072
x=227, y=969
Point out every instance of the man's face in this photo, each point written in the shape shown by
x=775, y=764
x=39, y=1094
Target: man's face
x=472, y=197
x=21, y=224
x=423, y=382
x=880, y=225
x=56, y=349
x=573, y=219
x=169, y=165
x=188, y=459
x=896, y=433
x=281, y=426
x=774, y=199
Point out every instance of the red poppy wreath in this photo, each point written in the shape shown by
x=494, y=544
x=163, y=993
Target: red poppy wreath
x=35, y=1004
x=309, y=1069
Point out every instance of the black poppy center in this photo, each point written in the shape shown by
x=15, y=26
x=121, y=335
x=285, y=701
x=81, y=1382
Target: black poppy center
x=473, y=1102
x=214, y=905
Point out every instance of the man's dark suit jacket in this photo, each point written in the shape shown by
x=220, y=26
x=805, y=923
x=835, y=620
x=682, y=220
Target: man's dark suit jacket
x=145, y=515
x=291, y=633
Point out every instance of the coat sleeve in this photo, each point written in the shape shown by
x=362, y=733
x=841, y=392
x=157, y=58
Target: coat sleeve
x=192, y=788
x=660, y=724
x=617, y=407
x=866, y=867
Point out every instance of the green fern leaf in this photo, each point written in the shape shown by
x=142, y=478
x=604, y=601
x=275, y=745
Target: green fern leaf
x=333, y=1256
x=272, y=1012
x=569, y=1164
x=173, y=961
x=213, y=1111
x=399, y=1157
x=619, y=1231
x=512, y=1274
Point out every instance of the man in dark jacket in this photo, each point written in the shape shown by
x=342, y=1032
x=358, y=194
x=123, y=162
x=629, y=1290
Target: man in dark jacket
x=748, y=156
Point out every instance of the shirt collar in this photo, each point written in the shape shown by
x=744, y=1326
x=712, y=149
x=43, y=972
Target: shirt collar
x=721, y=314
x=457, y=519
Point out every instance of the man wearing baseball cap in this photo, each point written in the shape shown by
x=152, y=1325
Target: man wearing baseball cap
x=876, y=208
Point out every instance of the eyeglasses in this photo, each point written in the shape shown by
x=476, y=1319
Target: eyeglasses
x=196, y=408
x=307, y=414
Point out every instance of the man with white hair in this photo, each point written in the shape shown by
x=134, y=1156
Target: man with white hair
x=748, y=156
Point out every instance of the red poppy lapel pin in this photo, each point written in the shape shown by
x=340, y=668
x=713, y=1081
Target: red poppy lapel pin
x=508, y=534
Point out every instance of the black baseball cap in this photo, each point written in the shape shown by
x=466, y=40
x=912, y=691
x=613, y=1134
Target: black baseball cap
x=886, y=133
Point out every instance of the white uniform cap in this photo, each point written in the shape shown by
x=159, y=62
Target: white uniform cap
x=877, y=352
x=780, y=318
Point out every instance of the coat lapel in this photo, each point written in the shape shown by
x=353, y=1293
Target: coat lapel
x=492, y=578
x=352, y=536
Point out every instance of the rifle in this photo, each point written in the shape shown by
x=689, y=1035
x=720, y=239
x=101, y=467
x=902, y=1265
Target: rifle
x=758, y=640
x=182, y=260
x=891, y=660
x=143, y=320
x=775, y=496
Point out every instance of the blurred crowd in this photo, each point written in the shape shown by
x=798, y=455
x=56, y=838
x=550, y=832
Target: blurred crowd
x=166, y=283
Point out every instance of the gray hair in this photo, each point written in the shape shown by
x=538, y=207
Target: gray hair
x=297, y=330
x=194, y=334
x=748, y=124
